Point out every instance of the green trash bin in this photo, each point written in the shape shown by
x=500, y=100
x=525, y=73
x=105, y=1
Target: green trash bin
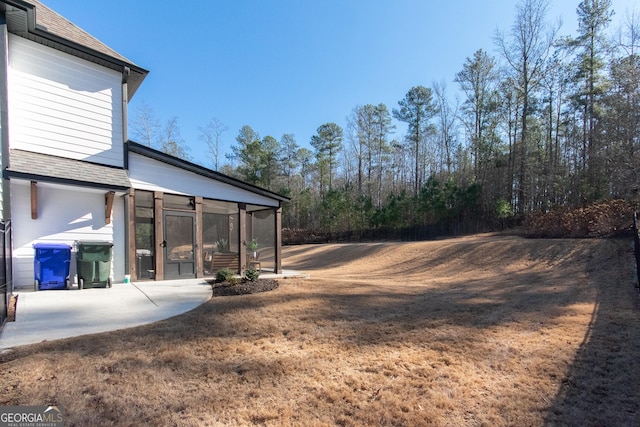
x=94, y=264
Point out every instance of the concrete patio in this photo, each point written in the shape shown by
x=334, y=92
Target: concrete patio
x=55, y=314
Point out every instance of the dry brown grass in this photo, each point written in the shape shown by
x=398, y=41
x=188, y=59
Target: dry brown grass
x=486, y=330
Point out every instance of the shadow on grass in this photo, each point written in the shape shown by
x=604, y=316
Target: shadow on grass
x=602, y=387
x=603, y=384
x=307, y=257
x=475, y=303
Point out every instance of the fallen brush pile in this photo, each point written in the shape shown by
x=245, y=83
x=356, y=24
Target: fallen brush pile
x=605, y=219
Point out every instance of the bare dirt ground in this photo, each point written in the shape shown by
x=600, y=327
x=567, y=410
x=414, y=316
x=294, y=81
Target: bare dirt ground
x=486, y=330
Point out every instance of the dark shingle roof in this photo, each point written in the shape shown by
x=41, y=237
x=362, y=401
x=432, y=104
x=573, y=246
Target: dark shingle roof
x=51, y=22
x=44, y=167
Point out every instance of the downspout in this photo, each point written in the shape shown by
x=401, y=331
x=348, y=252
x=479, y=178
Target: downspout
x=126, y=72
x=4, y=113
x=5, y=207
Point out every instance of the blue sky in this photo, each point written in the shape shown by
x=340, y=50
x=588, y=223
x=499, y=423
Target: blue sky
x=288, y=66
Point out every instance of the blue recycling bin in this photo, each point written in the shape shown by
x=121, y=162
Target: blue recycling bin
x=51, y=266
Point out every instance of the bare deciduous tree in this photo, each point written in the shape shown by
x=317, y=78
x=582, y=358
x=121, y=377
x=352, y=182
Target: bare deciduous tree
x=171, y=141
x=145, y=127
x=211, y=135
x=525, y=49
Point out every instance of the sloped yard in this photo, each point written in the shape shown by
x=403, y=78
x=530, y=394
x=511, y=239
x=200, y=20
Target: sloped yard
x=487, y=330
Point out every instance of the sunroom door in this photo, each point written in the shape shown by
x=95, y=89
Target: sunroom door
x=179, y=247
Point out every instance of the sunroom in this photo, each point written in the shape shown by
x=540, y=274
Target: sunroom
x=188, y=221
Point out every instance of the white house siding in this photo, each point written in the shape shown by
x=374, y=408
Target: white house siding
x=63, y=105
x=152, y=175
x=65, y=214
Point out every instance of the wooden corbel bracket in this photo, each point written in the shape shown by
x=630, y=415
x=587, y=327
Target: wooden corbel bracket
x=108, y=206
x=34, y=200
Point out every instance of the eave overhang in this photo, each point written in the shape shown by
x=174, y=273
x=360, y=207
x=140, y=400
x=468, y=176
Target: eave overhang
x=134, y=147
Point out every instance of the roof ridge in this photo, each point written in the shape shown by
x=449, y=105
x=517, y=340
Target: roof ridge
x=50, y=21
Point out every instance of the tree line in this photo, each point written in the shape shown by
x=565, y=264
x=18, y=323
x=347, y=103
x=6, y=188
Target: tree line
x=548, y=122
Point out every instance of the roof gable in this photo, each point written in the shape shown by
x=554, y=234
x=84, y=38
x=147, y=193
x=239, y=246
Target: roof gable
x=33, y=20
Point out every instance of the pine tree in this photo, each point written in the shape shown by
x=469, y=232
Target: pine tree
x=416, y=109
